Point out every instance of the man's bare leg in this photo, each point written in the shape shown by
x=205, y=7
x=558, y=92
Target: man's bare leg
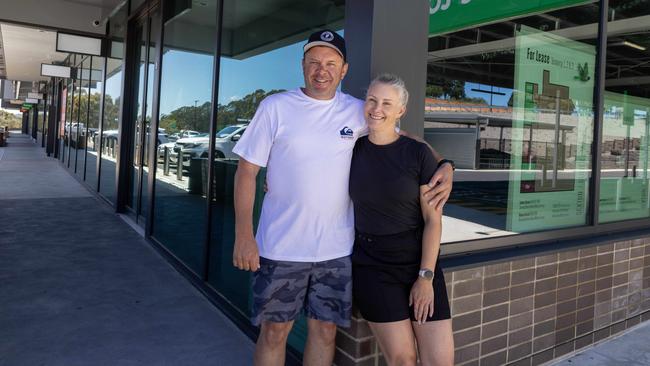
x=319, y=350
x=270, y=349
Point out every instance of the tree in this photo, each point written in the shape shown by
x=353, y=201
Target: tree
x=241, y=109
x=433, y=91
x=10, y=120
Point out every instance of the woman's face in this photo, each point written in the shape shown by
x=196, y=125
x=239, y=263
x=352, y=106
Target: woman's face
x=383, y=107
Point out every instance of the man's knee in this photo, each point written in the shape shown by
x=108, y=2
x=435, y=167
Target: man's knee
x=403, y=358
x=275, y=334
x=324, y=331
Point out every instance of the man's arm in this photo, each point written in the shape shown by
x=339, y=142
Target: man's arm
x=442, y=181
x=245, y=254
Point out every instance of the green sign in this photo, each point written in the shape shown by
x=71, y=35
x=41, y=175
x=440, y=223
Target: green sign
x=452, y=15
x=26, y=106
x=552, y=128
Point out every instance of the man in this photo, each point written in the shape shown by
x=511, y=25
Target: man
x=300, y=255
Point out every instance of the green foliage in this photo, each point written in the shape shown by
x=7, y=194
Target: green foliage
x=450, y=89
x=241, y=109
x=10, y=120
x=434, y=91
x=198, y=118
x=187, y=118
x=80, y=112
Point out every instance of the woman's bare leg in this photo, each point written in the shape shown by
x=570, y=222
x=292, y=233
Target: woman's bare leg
x=435, y=342
x=397, y=342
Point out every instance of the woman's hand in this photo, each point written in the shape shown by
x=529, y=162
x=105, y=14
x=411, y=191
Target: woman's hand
x=421, y=298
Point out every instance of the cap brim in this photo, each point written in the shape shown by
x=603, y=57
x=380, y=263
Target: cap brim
x=313, y=44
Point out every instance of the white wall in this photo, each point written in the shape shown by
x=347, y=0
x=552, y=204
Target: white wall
x=59, y=14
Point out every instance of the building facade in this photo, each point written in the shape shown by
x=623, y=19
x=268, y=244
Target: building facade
x=544, y=106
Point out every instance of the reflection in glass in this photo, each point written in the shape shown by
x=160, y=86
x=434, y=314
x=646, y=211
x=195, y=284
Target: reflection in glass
x=108, y=141
x=259, y=58
x=72, y=119
x=79, y=132
x=136, y=117
x=624, y=192
x=184, y=115
x=511, y=104
x=151, y=63
x=92, y=137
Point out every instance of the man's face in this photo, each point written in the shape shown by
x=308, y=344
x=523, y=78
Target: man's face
x=323, y=69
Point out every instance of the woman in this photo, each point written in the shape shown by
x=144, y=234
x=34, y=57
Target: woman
x=397, y=282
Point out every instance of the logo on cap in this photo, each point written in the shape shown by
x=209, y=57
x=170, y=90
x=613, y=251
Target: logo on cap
x=327, y=36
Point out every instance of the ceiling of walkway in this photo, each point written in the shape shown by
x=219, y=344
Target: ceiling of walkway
x=28, y=31
x=24, y=50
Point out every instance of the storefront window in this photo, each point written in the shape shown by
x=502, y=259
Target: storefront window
x=81, y=106
x=511, y=102
x=109, y=139
x=184, y=121
x=261, y=55
x=94, y=101
x=626, y=124
x=70, y=120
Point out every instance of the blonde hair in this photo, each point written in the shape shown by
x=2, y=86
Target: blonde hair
x=396, y=82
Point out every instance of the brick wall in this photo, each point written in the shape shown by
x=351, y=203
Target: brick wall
x=530, y=311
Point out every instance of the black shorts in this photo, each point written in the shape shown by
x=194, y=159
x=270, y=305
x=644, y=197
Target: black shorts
x=384, y=268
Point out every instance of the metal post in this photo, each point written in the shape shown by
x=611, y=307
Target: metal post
x=179, y=165
x=556, y=139
x=166, y=161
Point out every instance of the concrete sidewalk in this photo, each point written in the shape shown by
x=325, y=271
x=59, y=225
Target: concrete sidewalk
x=632, y=348
x=79, y=287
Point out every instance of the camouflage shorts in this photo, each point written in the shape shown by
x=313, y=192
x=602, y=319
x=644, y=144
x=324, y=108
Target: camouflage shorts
x=323, y=290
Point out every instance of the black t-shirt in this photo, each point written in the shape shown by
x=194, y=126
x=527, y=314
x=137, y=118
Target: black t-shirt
x=385, y=184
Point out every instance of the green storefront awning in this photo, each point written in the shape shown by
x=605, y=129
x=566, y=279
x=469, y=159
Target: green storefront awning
x=452, y=15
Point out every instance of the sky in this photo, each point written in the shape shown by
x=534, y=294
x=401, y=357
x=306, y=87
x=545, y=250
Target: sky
x=187, y=77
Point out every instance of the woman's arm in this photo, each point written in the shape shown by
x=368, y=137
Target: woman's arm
x=422, y=291
x=441, y=183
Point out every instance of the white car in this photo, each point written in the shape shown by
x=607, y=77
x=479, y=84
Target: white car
x=226, y=140
x=198, y=147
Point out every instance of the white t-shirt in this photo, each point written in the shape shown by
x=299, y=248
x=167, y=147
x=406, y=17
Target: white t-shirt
x=306, y=145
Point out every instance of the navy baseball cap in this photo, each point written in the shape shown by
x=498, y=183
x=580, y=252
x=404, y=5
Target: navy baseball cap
x=326, y=38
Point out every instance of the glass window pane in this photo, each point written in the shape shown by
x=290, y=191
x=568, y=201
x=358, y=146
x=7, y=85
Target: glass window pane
x=626, y=125
x=92, y=138
x=185, y=105
x=79, y=133
x=261, y=55
x=109, y=138
x=153, y=38
x=70, y=112
x=512, y=104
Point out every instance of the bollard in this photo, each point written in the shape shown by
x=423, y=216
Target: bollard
x=179, y=165
x=166, y=161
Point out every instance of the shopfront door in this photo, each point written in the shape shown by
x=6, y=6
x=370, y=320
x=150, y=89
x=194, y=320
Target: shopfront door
x=143, y=34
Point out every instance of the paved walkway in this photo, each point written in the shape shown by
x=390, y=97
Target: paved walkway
x=79, y=287
x=630, y=349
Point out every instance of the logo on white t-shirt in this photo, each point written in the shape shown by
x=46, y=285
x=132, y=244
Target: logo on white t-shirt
x=346, y=133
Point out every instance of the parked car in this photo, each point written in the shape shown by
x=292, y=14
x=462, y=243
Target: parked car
x=184, y=134
x=76, y=132
x=198, y=147
x=226, y=139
